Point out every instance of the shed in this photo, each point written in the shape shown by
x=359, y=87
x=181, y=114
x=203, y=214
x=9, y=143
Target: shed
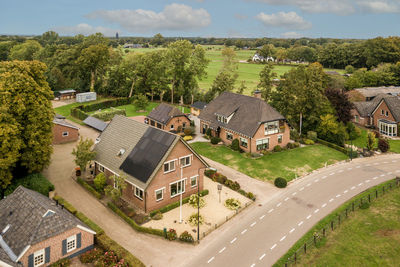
x=197, y=107
x=65, y=94
x=85, y=97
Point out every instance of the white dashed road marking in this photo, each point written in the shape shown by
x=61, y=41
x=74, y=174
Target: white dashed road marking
x=222, y=250
x=330, y=200
x=262, y=256
x=254, y=223
x=301, y=189
x=233, y=240
x=271, y=210
x=360, y=184
x=286, y=199
x=309, y=216
x=385, y=162
x=294, y=193
x=308, y=185
x=291, y=231
x=358, y=167
x=273, y=246
x=262, y=217
x=352, y=188
x=338, y=195
x=349, y=169
x=376, y=177
x=316, y=181
x=283, y=238
x=324, y=177
x=389, y=173
x=375, y=163
x=244, y=231
x=323, y=205
x=210, y=260
x=253, y=265
x=394, y=160
x=382, y=175
x=367, y=181
x=280, y=203
x=332, y=173
x=345, y=191
x=340, y=171
x=315, y=211
x=300, y=223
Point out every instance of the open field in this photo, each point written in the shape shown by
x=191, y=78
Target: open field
x=284, y=164
x=361, y=142
x=369, y=238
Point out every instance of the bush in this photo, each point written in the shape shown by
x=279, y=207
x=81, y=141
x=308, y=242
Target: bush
x=186, y=237
x=35, y=181
x=219, y=178
x=107, y=103
x=171, y=234
x=189, y=131
x=157, y=216
x=294, y=135
x=109, y=114
x=91, y=255
x=308, y=142
x=62, y=263
x=187, y=138
x=78, y=113
x=215, y=140
x=100, y=182
x=277, y=148
x=89, y=223
x=292, y=145
x=242, y=192
x=377, y=134
x=370, y=140
x=250, y=195
x=232, y=184
x=193, y=201
x=280, y=182
x=364, y=205
x=235, y=144
x=312, y=135
x=208, y=131
x=89, y=188
x=140, y=102
x=232, y=204
x=66, y=204
x=193, y=219
x=383, y=145
x=209, y=173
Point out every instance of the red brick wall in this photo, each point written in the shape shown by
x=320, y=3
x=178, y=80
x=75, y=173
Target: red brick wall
x=361, y=120
x=174, y=121
x=73, y=134
x=378, y=114
x=55, y=244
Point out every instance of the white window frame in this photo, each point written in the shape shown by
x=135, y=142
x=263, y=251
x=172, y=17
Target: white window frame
x=382, y=112
x=182, y=181
x=162, y=193
x=271, y=131
x=263, y=142
x=244, y=140
x=38, y=254
x=196, y=178
x=65, y=134
x=172, y=127
x=71, y=239
x=101, y=168
x=387, y=113
x=280, y=136
x=229, y=134
x=184, y=157
x=169, y=166
x=138, y=189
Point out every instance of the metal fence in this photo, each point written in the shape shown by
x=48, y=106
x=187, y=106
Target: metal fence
x=319, y=235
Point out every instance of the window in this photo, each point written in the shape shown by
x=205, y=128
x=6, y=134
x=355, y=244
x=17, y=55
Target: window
x=356, y=118
x=185, y=161
x=172, y=126
x=169, y=166
x=101, y=168
x=146, y=120
x=387, y=113
x=38, y=258
x=271, y=127
x=152, y=123
x=71, y=243
x=193, y=181
x=159, y=125
x=280, y=139
x=262, y=144
x=159, y=194
x=222, y=119
x=139, y=193
x=184, y=125
x=229, y=136
x=382, y=112
x=177, y=188
x=243, y=142
x=64, y=134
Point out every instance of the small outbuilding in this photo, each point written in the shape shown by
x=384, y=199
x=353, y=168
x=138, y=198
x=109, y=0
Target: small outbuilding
x=65, y=94
x=63, y=131
x=197, y=107
x=86, y=97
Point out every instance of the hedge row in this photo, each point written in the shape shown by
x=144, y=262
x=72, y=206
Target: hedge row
x=132, y=223
x=89, y=188
x=109, y=114
x=101, y=238
x=78, y=113
x=336, y=147
x=176, y=204
x=105, y=104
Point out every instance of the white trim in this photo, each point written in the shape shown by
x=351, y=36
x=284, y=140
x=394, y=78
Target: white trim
x=106, y=168
x=65, y=134
x=191, y=158
x=47, y=212
x=23, y=252
x=136, y=187
x=86, y=229
x=37, y=254
x=2, y=263
x=176, y=182
x=162, y=192
x=70, y=239
x=197, y=181
x=167, y=162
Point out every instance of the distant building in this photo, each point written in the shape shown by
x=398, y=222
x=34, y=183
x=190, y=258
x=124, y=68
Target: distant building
x=65, y=94
x=258, y=58
x=133, y=46
x=371, y=92
x=168, y=118
x=63, y=131
x=86, y=97
x=197, y=107
x=116, y=36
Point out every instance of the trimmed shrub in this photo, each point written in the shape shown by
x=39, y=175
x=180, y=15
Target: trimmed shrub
x=107, y=103
x=62, y=263
x=35, y=181
x=292, y=145
x=334, y=146
x=188, y=131
x=186, y=237
x=100, y=182
x=78, y=113
x=232, y=203
x=215, y=140
x=209, y=173
x=364, y=205
x=219, y=178
x=157, y=216
x=383, y=145
x=187, y=138
x=277, y=148
x=242, y=192
x=235, y=144
x=91, y=255
x=193, y=201
x=89, y=188
x=66, y=204
x=109, y=114
x=250, y=195
x=232, y=184
x=193, y=219
x=280, y=182
x=89, y=223
x=312, y=135
x=171, y=234
x=308, y=142
x=208, y=131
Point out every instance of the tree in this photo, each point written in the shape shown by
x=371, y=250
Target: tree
x=383, y=145
x=370, y=140
x=26, y=118
x=115, y=191
x=49, y=37
x=157, y=40
x=352, y=131
x=281, y=55
x=241, y=88
x=5, y=48
x=267, y=50
x=83, y=153
x=140, y=102
x=227, y=75
x=265, y=85
x=24, y=51
x=341, y=103
x=331, y=130
x=100, y=181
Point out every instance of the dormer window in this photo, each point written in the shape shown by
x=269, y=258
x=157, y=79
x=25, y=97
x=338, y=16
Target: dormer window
x=222, y=119
x=271, y=127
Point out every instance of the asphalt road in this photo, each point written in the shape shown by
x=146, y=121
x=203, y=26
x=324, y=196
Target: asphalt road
x=263, y=236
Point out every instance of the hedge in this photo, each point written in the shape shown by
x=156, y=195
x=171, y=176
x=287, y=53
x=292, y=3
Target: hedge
x=132, y=223
x=176, y=204
x=336, y=147
x=89, y=188
x=109, y=114
x=78, y=113
x=66, y=204
x=89, y=223
x=35, y=181
x=105, y=104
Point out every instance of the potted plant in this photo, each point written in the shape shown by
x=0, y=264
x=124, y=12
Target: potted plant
x=78, y=171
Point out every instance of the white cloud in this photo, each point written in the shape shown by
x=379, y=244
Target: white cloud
x=84, y=29
x=288, y=20
x=291, y=35
x=173, y=17
x=379, y=6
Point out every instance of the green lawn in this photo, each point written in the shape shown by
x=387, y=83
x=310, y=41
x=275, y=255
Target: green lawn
x=284, y=164
x=361, y=142
x=369, y=238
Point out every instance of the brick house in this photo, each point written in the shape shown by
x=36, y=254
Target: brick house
x=158, y=166
x=382, y=113
x=251, y=120
x=36, y=231
x=63, y=131
x=369, y=93
x=168, y=118
x=197, y=107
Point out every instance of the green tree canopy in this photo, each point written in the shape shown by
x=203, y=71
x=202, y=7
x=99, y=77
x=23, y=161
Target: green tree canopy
x=25, y=51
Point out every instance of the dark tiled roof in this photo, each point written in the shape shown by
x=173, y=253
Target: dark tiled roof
x=58, y=116
x=374, y=91
x=164, y=112
x=24, y=211
x=366, y=108
x=199, y=104
x=393, y=103
x=249, y=113
x=95, y=123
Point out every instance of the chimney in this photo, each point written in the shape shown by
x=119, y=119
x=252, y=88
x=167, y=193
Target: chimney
x=257, y=94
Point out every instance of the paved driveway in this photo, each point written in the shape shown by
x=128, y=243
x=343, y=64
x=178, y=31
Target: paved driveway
x=199, y=137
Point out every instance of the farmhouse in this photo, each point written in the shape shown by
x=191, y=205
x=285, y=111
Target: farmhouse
x=36, y=231
x=168, y=118
x=370, y=93
x=197, y=107
x=258, y=58
x=382, y=113
x=63, y=131
x=158, y=166
x=251, y=120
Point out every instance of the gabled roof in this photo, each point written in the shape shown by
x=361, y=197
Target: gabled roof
x=367, y=108
x=199, y=104
x=23, y=213
x=393, y=103
x=95, y=123
x=248, y=113
x=164, y=112
x=63, y=122
x=374, y=91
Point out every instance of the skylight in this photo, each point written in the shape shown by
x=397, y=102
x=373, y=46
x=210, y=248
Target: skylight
x=48, y=213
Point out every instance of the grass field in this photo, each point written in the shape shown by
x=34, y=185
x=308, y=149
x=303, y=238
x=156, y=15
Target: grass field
x=361, y=142
x=284, y=164
x=369, y=238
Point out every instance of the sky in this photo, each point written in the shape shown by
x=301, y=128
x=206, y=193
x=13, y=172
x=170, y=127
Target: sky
x=204, y=18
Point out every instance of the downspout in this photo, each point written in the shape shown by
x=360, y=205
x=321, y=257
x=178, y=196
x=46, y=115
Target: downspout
x=145, y=201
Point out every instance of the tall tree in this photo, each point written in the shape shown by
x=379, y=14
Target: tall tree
x=341, y=103
x=227, y=75
x=25, y=51
x=266, y=79
x=83, y=153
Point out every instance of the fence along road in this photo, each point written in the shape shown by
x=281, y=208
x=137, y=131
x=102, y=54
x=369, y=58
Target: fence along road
x=265, y=235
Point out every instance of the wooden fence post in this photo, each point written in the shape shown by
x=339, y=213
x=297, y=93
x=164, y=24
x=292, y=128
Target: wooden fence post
x=332, y=225
x=369, y=198
x=376, y=193
x=323, y=232
x=339, y=219
x=305, y=248
x=352, y=204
